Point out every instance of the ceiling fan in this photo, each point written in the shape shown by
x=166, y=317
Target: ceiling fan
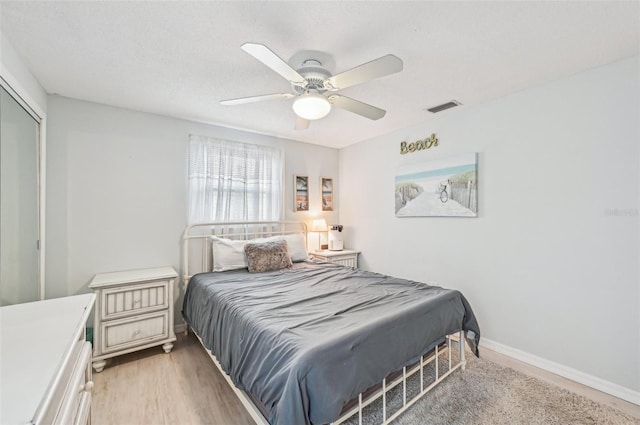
x=314, y=88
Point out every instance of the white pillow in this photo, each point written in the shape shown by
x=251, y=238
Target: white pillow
x=228, y=254
x=296, y=244
x=297, y=247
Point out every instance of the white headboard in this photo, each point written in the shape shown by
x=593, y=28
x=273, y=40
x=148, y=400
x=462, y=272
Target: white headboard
x=196, y=241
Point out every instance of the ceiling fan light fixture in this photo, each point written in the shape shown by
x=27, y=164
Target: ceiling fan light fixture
x=311, y=106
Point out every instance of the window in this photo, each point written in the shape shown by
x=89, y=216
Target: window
x=232, y=181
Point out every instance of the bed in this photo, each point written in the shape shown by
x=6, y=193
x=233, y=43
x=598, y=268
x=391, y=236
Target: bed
x=302, y=344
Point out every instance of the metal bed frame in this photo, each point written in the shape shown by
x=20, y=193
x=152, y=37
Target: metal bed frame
x=247, y=230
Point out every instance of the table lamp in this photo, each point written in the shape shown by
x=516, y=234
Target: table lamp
x=319, y=225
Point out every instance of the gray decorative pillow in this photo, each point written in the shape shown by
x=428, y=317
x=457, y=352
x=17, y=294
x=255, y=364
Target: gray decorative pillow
x=267, y=256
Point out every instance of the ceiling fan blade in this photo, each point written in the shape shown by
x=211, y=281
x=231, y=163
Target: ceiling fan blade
x=273, y=61
x=357, y=107
x=301, y=123
x=377, y=68
x=243, y=100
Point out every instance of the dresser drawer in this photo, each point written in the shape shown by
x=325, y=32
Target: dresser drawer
x=134, y=331
x=78, y=386
x=84, y=410
x=44, y=359
x=134, y=299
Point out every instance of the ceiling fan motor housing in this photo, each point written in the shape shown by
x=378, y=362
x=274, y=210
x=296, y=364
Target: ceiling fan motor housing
x=315, y=75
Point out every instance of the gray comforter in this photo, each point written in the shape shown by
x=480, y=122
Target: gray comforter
x=306, y=340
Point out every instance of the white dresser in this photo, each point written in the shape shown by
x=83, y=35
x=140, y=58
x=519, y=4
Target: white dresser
x=345, y=257
x=134, y=311
x=45, y=362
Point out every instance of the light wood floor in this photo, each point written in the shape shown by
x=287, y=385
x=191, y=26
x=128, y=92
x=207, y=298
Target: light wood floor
x=184, y=387
x=151, y=387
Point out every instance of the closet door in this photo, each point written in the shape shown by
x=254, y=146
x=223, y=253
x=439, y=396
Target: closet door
x=19, y=206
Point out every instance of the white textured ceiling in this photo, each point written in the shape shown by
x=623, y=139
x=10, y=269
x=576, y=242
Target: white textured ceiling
x=181, y=58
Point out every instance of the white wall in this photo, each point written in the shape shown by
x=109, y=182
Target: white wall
x=551, y=265
x=14, y=71
x=117, y=196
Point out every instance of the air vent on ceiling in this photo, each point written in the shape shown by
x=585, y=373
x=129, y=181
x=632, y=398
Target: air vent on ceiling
x=444, y=106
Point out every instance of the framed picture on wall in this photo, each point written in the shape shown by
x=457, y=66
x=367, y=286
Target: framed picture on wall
x=446, y=187
x=326, y=188
x=301, y=193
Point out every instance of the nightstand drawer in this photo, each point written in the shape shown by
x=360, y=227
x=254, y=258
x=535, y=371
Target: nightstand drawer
x=346, y=257
x=134, y=299
x=344, y=260
x=135, y=331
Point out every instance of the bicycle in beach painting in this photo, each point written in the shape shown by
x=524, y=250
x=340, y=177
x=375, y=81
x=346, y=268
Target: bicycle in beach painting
x=444, y=195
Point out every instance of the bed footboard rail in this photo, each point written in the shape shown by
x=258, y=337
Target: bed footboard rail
x=389, y=384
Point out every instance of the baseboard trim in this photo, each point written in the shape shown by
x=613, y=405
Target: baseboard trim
x=179, y=328
x=599, y=384
x=566, y=372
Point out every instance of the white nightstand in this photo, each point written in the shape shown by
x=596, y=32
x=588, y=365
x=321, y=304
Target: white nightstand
x=346, y=257
x=134, y=311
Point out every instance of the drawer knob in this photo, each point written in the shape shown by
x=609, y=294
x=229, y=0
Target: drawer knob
x=136, y=301
x=136, y=333
x=87, y=386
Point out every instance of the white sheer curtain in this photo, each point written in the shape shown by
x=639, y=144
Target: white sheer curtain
x=232, y=181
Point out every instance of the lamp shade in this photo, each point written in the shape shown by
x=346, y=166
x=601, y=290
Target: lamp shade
x=311, y=106
x=319, y=225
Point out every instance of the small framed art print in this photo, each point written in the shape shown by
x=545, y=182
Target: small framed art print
x=326, y=188
x=301, y=193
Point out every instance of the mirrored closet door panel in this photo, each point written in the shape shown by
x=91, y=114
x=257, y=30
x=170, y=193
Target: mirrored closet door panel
x=19, y=209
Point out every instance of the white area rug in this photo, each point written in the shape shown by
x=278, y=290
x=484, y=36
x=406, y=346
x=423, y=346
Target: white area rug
x=489, y=394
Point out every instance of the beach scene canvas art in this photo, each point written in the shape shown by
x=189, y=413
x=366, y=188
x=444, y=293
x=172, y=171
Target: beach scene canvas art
x=446, y=187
